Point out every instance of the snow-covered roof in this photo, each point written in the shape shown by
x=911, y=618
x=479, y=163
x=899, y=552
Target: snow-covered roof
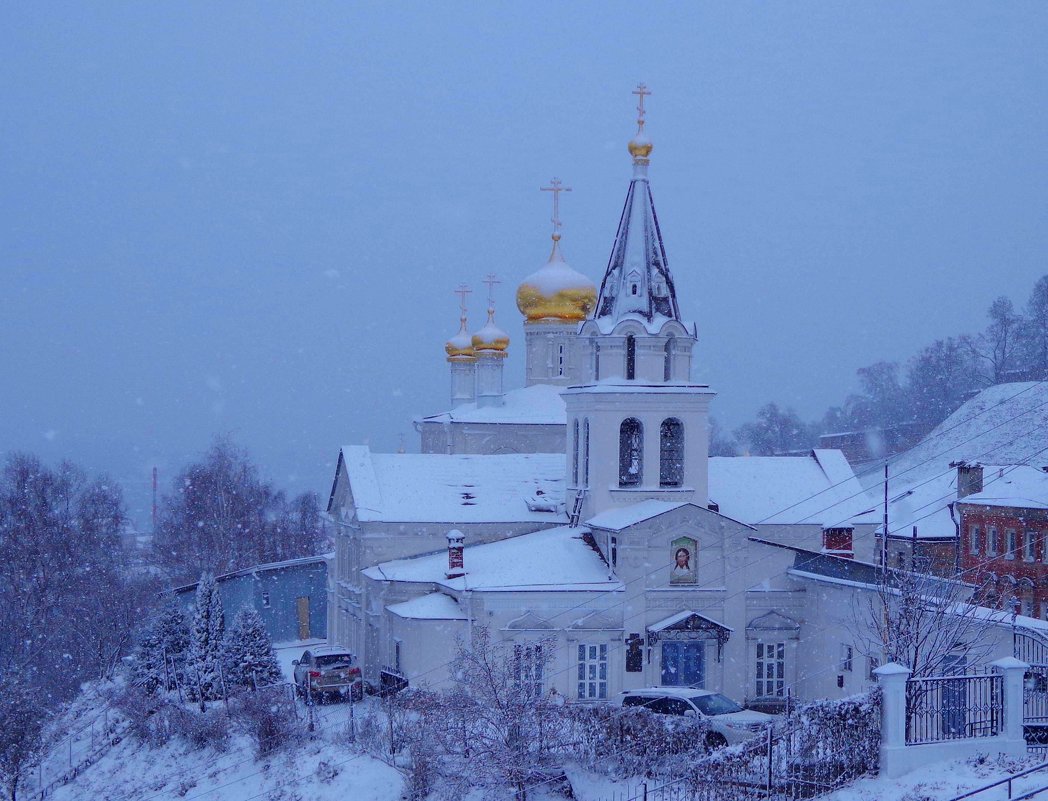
x=539, y=404
x=621, y=386
x=673, y=620
x=819, y=488
x=1005, y=424
x=618, y=519
x=1019, y=486
x=555, y=558
x=453, y=488
x=435, y=606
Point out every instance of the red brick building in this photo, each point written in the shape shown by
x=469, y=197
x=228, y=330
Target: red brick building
x=1003, y=525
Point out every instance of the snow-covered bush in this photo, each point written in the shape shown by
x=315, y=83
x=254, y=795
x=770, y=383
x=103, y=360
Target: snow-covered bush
x=206, y=729
x=268, y=717
x=629, y=742
x=21, y=733
x=837, y=741
x=248, y=653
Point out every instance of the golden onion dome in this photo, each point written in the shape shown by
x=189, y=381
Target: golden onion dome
x=490, y=337
x=460, y=346
x=556, y=291
x=640, y=146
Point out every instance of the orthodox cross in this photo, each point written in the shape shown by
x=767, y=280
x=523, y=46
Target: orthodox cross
x=556, y=188
x=462, y=291
x=491, y=281
x=641, y=92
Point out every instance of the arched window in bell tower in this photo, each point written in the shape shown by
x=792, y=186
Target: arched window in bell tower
x=631, y=452
x=671, y=453
x=585, y=452
x=631, y=357
x=667, y=371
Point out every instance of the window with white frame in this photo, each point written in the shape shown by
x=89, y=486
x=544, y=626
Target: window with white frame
x=1013, y=543
x=1029, y=551
x=872, y=663
x=973, y=539
x=771, y=669
x=592, y=671
x=529, y=665
x=991, y=541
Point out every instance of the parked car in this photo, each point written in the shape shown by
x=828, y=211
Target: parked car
x=729, y=722
x=328, y=671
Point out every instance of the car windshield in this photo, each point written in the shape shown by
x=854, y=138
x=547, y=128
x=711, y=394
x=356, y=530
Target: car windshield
x=715, y=704
x=334, y=661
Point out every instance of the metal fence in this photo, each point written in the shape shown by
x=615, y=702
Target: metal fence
x=953, y=708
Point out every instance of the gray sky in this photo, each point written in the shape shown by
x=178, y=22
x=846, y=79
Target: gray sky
x=249, y=219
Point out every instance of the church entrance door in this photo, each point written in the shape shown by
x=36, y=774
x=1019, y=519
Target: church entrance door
x=684, y=663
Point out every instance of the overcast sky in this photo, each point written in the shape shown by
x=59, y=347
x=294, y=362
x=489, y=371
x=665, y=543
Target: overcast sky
x=249, y=219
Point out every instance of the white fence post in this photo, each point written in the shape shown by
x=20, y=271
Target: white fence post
x=892, y=679
x=1014, y=671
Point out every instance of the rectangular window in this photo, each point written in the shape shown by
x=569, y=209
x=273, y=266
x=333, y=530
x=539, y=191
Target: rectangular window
x=991, y=541
x=592, y=672
x=529, y=669
x=973, y=539
x=560, y=359
x=1013, y=543
x=1029, y=552
x=846, y=658
x=771, y=669
x=872, y=663
x=614, y=551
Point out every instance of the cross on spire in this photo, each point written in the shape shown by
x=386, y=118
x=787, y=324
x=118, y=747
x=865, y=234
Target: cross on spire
x=641, y=92
x=462, y=291
x=556, y=188
x=491, y=280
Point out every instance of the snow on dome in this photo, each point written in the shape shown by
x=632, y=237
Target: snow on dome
x=490, y=337
x=460, y=346
x=556, y=291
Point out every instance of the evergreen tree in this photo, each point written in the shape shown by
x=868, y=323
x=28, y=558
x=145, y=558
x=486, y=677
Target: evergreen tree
x=160, y=658
x=248, y=653
x=203, y=665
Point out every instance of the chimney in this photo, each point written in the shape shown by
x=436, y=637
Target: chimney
x=969, y=478
x=455, y=566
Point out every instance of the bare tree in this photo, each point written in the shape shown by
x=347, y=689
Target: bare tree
x=1036, y=338
x=930, y=625
x=997, y=348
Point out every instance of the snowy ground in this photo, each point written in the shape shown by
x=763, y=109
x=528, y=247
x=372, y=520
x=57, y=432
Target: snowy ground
x=946, y=780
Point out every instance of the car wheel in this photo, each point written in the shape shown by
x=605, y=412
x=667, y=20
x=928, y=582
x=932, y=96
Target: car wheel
x=715, y=740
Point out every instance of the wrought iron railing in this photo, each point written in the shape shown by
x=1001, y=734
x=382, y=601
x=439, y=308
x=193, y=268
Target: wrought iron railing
x=953, y=708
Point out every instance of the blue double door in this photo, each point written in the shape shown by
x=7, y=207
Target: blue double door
x=684, y=664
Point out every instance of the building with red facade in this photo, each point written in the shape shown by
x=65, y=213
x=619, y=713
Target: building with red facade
x=1002, y=517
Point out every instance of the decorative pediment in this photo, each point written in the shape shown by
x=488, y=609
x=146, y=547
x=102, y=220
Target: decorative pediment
x=529, y=621
x=597, y=621
x=773, y=621
x=689, y=625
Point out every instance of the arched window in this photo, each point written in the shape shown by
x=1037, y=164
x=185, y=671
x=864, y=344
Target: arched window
x=575, y=454
x=585, y=452
x=667, y=372
x=671, y=453
x=631, y=452
x=631, y=357
x=596, y=361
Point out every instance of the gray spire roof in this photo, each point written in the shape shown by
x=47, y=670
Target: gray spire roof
x=637, y=282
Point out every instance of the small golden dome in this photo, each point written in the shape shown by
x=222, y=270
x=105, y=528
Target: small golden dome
x=460, y=346
x=640, y=146
x=490, y=337
x=556, y=291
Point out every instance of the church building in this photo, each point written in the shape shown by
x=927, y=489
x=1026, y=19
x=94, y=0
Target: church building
x=580, y=516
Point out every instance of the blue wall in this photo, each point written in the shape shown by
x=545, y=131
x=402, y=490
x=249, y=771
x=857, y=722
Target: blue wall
x=284, y=583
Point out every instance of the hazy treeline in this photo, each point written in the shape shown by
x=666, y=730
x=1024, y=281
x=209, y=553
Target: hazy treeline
x=920, y=393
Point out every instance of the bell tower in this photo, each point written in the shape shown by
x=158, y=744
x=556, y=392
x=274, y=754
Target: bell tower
x=642, y=424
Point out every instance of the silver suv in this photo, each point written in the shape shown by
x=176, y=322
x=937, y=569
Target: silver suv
x=729, y=722
x=328, y=671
